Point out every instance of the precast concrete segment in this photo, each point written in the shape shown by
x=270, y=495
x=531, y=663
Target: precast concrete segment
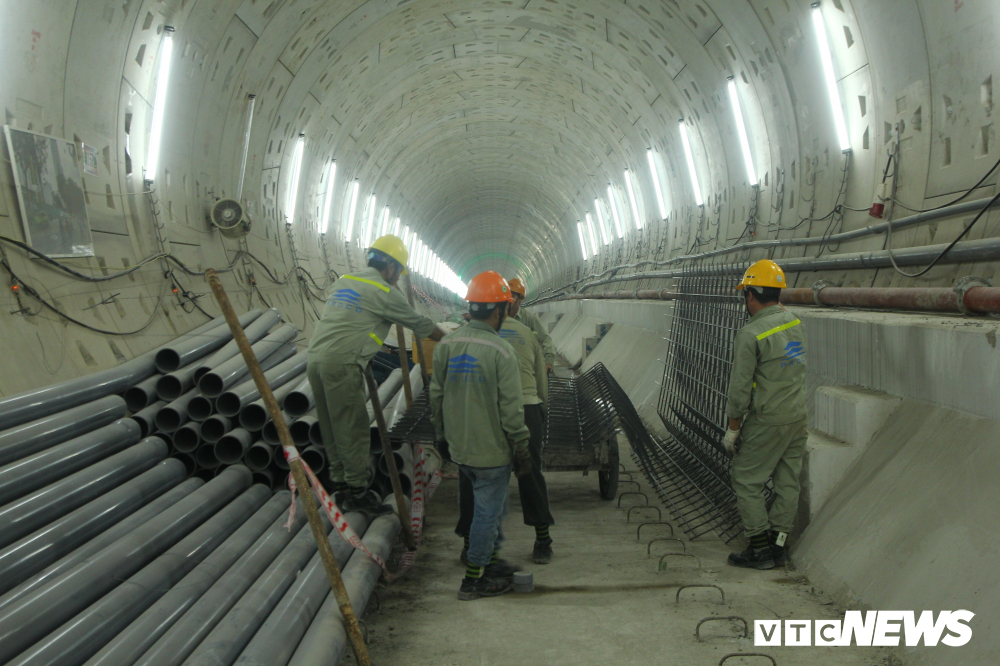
x=254, y=332
x=196, y=344
x=232, y=634
x=326, y=641
x=300, y=401
x=235, y=399
x=33, y=553
x=276, y=640
x=28, y=438
x=175, y=414
x=231, y=448
x=386, y=391
x=214, y=382
x=145, y=630
x=142, y=394
x=215, y=427
x=35, y=404
x=28, y=619
x=35, y=471
x=254, y=415
x=27, y=514
x=104, y=539
x=267, y=362
x=174, y=646
x=75, y=641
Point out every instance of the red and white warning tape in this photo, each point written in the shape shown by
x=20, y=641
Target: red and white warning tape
x=422, y=491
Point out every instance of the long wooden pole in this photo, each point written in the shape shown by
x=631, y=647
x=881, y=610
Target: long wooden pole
x=298, y=472
x=390, y=460
x=418, y=343
x=404, y=364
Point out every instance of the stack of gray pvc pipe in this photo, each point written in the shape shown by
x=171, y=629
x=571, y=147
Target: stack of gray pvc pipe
x=116, y=549
x=394, y=407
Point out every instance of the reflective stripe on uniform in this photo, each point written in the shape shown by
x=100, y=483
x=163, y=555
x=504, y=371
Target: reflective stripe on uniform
x=488, y=343
x=779, y=329
x=367, y=281
x=375, y=338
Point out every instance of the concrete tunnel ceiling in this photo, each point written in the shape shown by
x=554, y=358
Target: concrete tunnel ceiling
x=489, y=127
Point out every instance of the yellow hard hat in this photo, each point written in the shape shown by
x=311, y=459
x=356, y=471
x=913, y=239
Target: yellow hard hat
x=763, y=273
x=394, y=248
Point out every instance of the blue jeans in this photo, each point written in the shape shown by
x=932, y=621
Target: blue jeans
x=489, y=490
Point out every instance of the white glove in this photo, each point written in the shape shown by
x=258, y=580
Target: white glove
x=729, y=441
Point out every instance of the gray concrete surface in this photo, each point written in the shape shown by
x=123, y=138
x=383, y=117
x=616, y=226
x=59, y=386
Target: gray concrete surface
x=600, y=601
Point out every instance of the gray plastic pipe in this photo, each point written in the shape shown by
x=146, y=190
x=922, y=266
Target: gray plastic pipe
x=215, y=427
x=259, y=456
x=33, y=616
x=325, y=641
x=397, y=406
x=232, y=634
x=33, y=472
x=187, y=633
x=29, y=513
x=386, y=391
x=264, y=477
x=142, y=633
x=187, y=460
x=175, y=384
x=300, y=429
x=300, y=401
x=315, y=434
x=142, y=394
x=235, y=399
x=35, y=404
x=315, y=457
x=84, y=635
x=187, y=437
x=203, y=406
x=105, y=538
x=205, y=457
x=175, y=414
x=269, y=433
x=198, y=343
x=33, y=553
x=147, y=417
x=28, y=438
x=254, y=332
x=275, y=641
x=254, y=416
x=231, y=448
x=228, y=374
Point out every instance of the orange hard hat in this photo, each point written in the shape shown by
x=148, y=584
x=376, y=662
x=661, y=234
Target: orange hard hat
x=517, y=287
x=488, y=287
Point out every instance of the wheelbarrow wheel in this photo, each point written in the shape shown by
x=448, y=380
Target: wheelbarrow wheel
x=608, y=478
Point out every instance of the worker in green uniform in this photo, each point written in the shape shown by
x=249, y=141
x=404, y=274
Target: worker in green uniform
x=531, y=487
x=531, y=320
x=359, y=311
x=478, y=416
x=766, y=408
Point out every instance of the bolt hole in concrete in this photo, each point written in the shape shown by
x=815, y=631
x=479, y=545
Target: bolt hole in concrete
x=599, y=602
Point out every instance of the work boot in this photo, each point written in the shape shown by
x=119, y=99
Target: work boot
x=484, y=586
x=542, y=553
x=777, y=552
x=752, y=558
x=366, y=502
x=501, y=569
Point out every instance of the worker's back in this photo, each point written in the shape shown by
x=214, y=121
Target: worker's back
x=531, y=360
x=777, y=339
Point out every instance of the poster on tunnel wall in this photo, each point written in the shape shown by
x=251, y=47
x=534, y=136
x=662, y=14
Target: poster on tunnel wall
x=50, y=193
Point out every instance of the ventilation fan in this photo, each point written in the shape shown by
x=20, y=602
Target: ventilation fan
x=230, y=219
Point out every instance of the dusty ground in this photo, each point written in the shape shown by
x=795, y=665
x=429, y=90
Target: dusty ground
x=601, y=601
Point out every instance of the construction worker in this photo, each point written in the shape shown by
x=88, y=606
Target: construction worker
x=767, y=414
x=531, y=320
x=531, y=487
x=359, y=311
x=478, y=416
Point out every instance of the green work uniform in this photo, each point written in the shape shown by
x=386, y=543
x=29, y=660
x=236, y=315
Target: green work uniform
x=767, y=389
x=476, y=403
x=531, y=360
x=531, y=320
x=360, y=309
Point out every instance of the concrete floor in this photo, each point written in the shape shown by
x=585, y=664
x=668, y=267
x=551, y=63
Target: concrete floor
x=600, y=601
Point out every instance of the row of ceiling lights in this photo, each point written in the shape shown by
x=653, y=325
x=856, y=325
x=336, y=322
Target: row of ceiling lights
x=425, y=261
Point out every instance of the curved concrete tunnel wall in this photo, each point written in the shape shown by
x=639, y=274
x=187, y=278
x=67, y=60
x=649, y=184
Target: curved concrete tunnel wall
x=489, y=129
